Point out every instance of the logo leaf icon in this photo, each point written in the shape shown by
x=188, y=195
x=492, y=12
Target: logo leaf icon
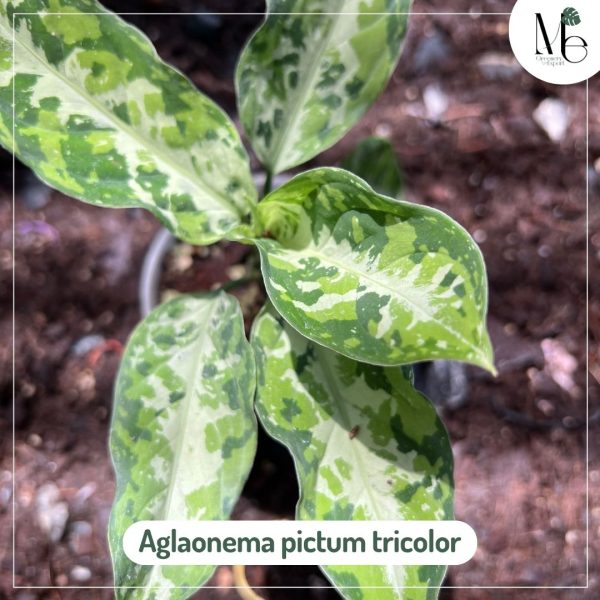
x=570, y=16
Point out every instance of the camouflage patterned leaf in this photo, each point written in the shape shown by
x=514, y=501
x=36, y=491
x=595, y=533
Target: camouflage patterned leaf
x=100, y=117
x=304, y=79
x=381, y=281
x=374, y=160
x=366, y=446
x=183, y=434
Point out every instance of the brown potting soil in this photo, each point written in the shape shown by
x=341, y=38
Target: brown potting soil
x=519, y=446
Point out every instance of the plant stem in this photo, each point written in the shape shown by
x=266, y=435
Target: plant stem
x=234, y=283
x=241, y=583
x=268, y=182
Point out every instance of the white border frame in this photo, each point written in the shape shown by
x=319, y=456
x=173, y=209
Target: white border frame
x=587, y=336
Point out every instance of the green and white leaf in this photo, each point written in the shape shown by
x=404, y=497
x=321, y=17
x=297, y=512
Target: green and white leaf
x=570, y=16
x=374, y=160
x=183, y=434
x=366, y=446
x=378, y=280
x=306, y=77
x=100, y=117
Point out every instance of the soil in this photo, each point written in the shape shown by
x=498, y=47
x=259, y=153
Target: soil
x=519, y=443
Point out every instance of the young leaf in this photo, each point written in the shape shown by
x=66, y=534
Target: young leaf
x=305, y=78
x=375, y=161
x=183, y=434
x=378, y=280
x=100, y=117
x=366, y=446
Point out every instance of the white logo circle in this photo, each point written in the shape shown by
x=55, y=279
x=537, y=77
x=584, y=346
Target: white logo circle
x=557, y=40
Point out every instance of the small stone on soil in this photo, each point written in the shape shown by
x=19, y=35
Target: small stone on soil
x=34, y=440
x=52, y=513
x=236, y=272
x=436, y=102
x=80, y=537
x=552, y=115
x=546, y=407
x=497, y=65
x=80, y=574
x=83, y=345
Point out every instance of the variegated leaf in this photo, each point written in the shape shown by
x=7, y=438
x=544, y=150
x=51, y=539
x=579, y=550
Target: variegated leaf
x=100, y=117
x=374, y=160
x=183, y=434
x=366, y=446
x=381, y=281
x=307, y=76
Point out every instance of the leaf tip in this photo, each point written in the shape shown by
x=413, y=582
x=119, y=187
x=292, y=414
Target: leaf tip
x=490, y=368
x=486, y=361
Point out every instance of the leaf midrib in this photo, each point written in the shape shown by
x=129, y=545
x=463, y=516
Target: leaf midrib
x=341, y=402
x=118, y=124
x=188, y=399
x=182, y=417
x=394, y=292
x=301, y=97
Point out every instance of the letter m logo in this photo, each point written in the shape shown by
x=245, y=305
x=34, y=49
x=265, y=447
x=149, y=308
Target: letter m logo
x=540, y=28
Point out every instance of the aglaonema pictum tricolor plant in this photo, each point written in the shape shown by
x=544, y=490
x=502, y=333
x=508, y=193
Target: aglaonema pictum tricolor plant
x=360, y=284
